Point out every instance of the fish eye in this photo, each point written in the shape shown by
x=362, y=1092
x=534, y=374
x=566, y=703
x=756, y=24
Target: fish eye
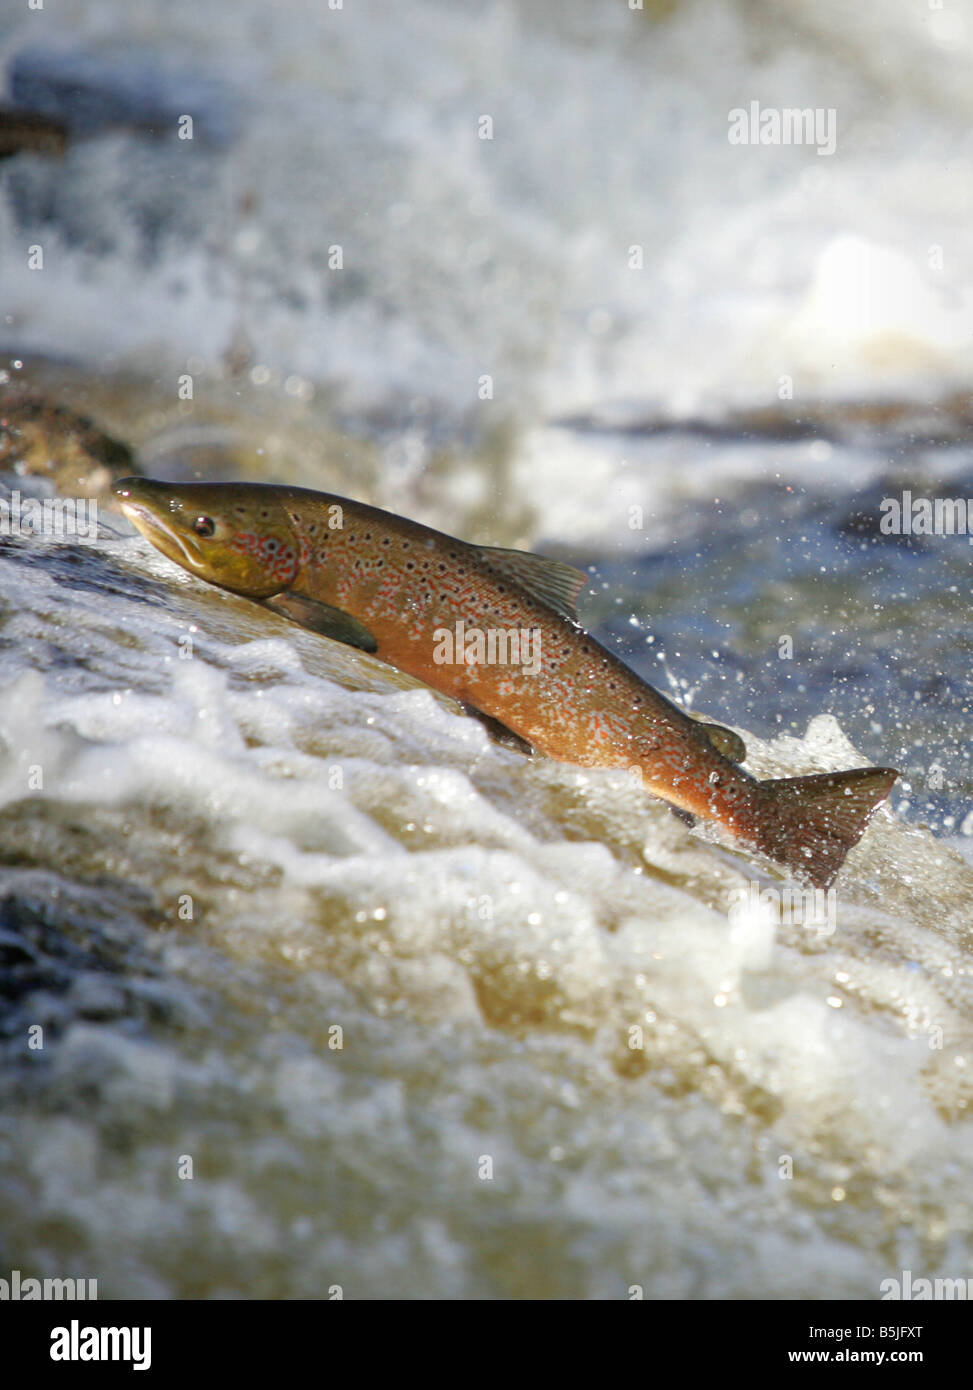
x=204, y=526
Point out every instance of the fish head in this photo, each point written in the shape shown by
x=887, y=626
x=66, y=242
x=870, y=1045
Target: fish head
x=236, y=535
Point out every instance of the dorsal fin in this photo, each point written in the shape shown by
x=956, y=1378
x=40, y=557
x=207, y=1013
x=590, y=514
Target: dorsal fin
x=553, y=583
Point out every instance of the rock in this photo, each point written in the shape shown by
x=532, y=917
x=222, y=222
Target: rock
x=46, y=440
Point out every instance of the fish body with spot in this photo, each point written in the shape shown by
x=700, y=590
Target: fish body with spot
x=495, y=629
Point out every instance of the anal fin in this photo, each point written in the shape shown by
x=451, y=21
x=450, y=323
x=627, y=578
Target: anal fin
x=500, y=734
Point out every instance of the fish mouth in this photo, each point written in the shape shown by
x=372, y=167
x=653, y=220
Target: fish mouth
x=144, y=511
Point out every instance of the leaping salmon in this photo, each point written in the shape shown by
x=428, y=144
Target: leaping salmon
x=496, y=630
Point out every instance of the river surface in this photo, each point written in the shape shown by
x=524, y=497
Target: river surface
x=421, y=1017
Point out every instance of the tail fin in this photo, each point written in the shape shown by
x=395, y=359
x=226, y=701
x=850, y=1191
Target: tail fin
x=814, y=821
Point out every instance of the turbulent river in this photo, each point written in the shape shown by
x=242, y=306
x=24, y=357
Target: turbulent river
x=424, y=1018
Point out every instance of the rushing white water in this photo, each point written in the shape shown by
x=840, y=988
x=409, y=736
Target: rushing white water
x=509, y=256
x=486, y=932
x=577, y=1053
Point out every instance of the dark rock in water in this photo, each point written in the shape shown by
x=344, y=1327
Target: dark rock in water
x=57, y=937
x=26, y=132
x=944, y=421
x=864, y=519
x=46, y=440
x=126, y=87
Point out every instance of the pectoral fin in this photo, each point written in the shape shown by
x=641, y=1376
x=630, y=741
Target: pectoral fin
x=321, y=617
